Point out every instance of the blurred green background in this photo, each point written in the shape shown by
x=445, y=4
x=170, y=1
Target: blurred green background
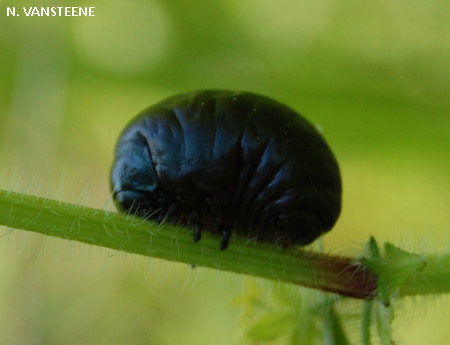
x=374, y=76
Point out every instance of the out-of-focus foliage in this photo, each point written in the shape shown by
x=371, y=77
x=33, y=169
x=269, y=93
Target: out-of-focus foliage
x=280, y=314
x=373, y=75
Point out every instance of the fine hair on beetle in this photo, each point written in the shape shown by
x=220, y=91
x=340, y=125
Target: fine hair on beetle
x=224, y=161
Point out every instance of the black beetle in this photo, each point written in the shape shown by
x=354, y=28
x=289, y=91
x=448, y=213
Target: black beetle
x=228, y=161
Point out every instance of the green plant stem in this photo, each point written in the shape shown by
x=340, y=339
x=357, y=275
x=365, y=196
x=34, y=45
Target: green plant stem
x=345, y=276
x=130, y=234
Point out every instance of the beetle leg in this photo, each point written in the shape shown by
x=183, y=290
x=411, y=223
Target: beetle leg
x=197, y=232
x=196, y=223
x=225, y=238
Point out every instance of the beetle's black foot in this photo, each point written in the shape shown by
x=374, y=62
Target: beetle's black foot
x=225, y=239
x=197, y=232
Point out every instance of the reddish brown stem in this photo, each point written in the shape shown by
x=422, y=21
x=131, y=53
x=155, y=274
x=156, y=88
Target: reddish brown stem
x=344, y=276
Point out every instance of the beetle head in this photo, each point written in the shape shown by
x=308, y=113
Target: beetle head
x=133, y=177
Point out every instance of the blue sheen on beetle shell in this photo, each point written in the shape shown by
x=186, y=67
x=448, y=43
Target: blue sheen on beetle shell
x=226, y=162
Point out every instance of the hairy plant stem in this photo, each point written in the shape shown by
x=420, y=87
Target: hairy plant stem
x=345, y=276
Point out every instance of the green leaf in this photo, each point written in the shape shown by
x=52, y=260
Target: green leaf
x=433, y=279
x=393, y=268
x=333, y=332
x=399, y=265
x=273, y=325
x=307, y=331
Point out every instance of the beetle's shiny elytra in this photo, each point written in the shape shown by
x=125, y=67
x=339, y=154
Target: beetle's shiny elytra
x=228, y=161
